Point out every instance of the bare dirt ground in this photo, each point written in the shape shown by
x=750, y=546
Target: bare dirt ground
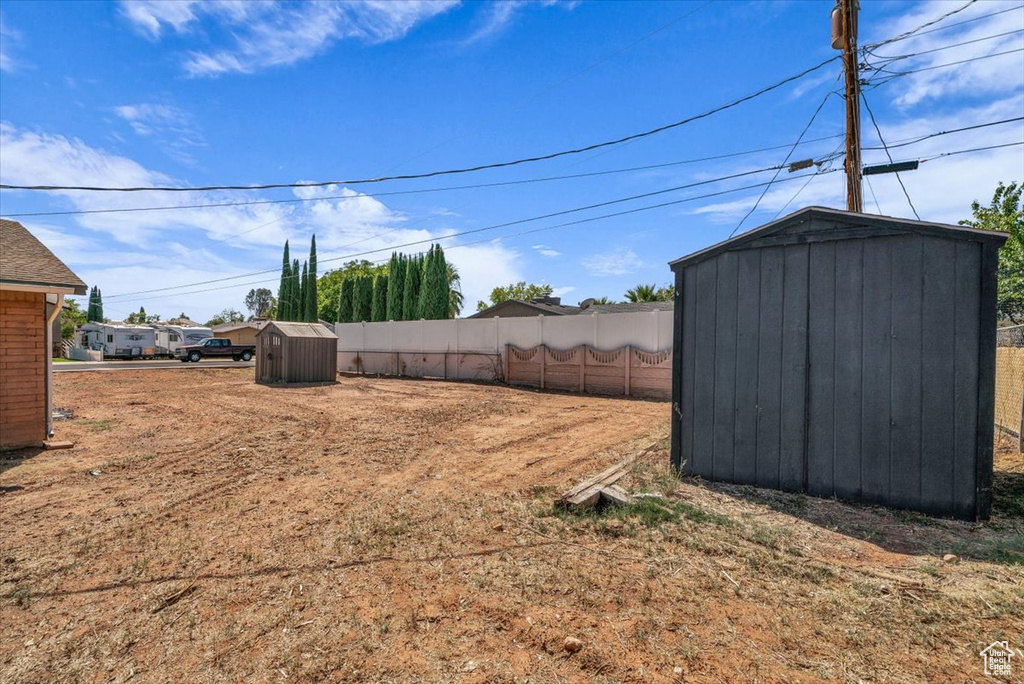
x=207, y=529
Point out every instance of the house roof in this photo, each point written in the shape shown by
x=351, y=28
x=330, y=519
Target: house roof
x=299, y=329
x=26, y=261
x=540, y=307
x=228, y=327
x=628, y=307
x=868, y=222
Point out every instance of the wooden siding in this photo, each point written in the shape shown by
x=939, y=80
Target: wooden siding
x=854, y=368
x=22, y=369
x=240, y=336
x=298, y=359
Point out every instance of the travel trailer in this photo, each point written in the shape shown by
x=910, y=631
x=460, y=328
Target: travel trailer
x=170, y=337
x=119, y=340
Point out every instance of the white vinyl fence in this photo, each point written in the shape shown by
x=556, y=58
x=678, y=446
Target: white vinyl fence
x=474, y=348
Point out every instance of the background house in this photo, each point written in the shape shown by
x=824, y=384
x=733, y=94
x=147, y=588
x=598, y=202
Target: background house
x=239, y=333
x=33, y=283
x=552, y=306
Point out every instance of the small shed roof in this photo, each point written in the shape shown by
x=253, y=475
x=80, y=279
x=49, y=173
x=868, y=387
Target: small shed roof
x=299, y=329
x=869, y=222
x=27, y=262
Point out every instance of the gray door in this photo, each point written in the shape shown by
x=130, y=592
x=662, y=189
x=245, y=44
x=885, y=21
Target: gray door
x=272, y=358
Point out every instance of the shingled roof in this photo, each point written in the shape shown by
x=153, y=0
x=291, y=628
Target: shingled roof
x=24, y=260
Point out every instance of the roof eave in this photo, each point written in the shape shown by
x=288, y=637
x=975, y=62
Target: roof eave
x=48, y=288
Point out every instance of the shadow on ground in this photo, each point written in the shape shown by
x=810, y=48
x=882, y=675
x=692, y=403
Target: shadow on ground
x=12, y=459
x=998, y=540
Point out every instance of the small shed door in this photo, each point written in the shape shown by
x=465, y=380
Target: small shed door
x=273, y=358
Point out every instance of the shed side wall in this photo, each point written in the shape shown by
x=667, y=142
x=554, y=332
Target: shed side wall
x=22, y=369
x=845, y=368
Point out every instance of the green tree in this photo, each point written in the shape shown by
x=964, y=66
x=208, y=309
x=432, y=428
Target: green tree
x=312, y=302
x=1006, y=214
x=140, y=317
x=455, y=298
x=329, y=286
x=650, y=293
x=225, y=316
x=300, y=302
x=345, y=295
x=520, y=291
x=70, y=318
x=411, y=288
x=434, y=296
x=379, y=306
x=282, y=290
x=259, y=301
x=294, y=293
x=396, y=283
x=362, y=299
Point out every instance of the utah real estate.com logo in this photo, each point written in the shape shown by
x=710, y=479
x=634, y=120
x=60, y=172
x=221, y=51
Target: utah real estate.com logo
x=997, y=658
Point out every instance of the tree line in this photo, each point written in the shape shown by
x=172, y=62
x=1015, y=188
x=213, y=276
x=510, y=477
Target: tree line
x=297, y=295
x=407, y=288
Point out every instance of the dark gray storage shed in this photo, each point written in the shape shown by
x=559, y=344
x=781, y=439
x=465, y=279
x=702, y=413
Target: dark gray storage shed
x=841, y=354
x=296, y=352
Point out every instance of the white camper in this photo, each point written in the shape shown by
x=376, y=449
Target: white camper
x=170, y=337
x=120, y=340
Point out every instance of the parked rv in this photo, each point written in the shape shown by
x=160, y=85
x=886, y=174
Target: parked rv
x=170, y=337
x=119, y=340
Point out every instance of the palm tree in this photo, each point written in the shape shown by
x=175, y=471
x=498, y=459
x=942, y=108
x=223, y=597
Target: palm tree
x=454, y=291
x=642, y=293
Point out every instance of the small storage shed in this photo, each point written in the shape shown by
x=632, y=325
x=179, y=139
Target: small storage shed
x=844, y=355
x=296, y=352
x=33, y=283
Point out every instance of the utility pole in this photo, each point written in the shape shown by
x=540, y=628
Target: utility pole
x=844, y=37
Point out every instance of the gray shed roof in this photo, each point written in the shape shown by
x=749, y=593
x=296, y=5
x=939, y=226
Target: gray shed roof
x=24, y=260
x=869, y=222
x=299, y=329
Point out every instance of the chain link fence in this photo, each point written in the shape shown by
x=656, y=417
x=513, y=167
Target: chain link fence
x=1010, y=384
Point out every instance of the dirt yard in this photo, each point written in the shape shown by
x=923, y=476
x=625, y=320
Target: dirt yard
x=207, y=529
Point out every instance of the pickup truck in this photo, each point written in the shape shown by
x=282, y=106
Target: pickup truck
x=215, y=347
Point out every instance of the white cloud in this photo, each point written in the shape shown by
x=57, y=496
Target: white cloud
x=562, y=291
x=8, y=38
x=482, y=268
x=975, y=79
x=549, y=252
x=268, y=34
x=173, y=129
x=613, y=263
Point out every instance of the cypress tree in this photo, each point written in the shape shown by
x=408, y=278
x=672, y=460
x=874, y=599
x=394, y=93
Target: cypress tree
x=362, y=299
x=443, y=294
x=423, y=308
x=99, y=305
x=345, y=301
x=312, y=301
x=379, y=308
x=295, y=294
x=411, y=289
x=396, y=278
x=303, y=292
x=90, y=314
x=282, y=290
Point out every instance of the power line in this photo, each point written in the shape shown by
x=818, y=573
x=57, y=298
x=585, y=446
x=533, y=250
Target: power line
x=889, y=59
x=494, y=227
x=973, y=149
x=784, y=162
x=896, y=74
x=871, y=115
x=803, y=187
x=454, y=235
x=908, y=34
x=922, y=138
x=474, y=186
x=918, y=32
x=432, y=174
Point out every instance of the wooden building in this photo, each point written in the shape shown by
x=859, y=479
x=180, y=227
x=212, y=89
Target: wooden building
x=296, y=352
x=239, y=333
x=844, y=355
x=33, y=283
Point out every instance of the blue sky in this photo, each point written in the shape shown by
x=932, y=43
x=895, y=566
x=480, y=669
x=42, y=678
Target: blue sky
x=198, y=94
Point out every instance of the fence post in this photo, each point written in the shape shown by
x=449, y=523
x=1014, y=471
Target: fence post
x=629, y=362
x=543, y=356
x=505, y=365
x=583, y=368
x=1020, y=429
